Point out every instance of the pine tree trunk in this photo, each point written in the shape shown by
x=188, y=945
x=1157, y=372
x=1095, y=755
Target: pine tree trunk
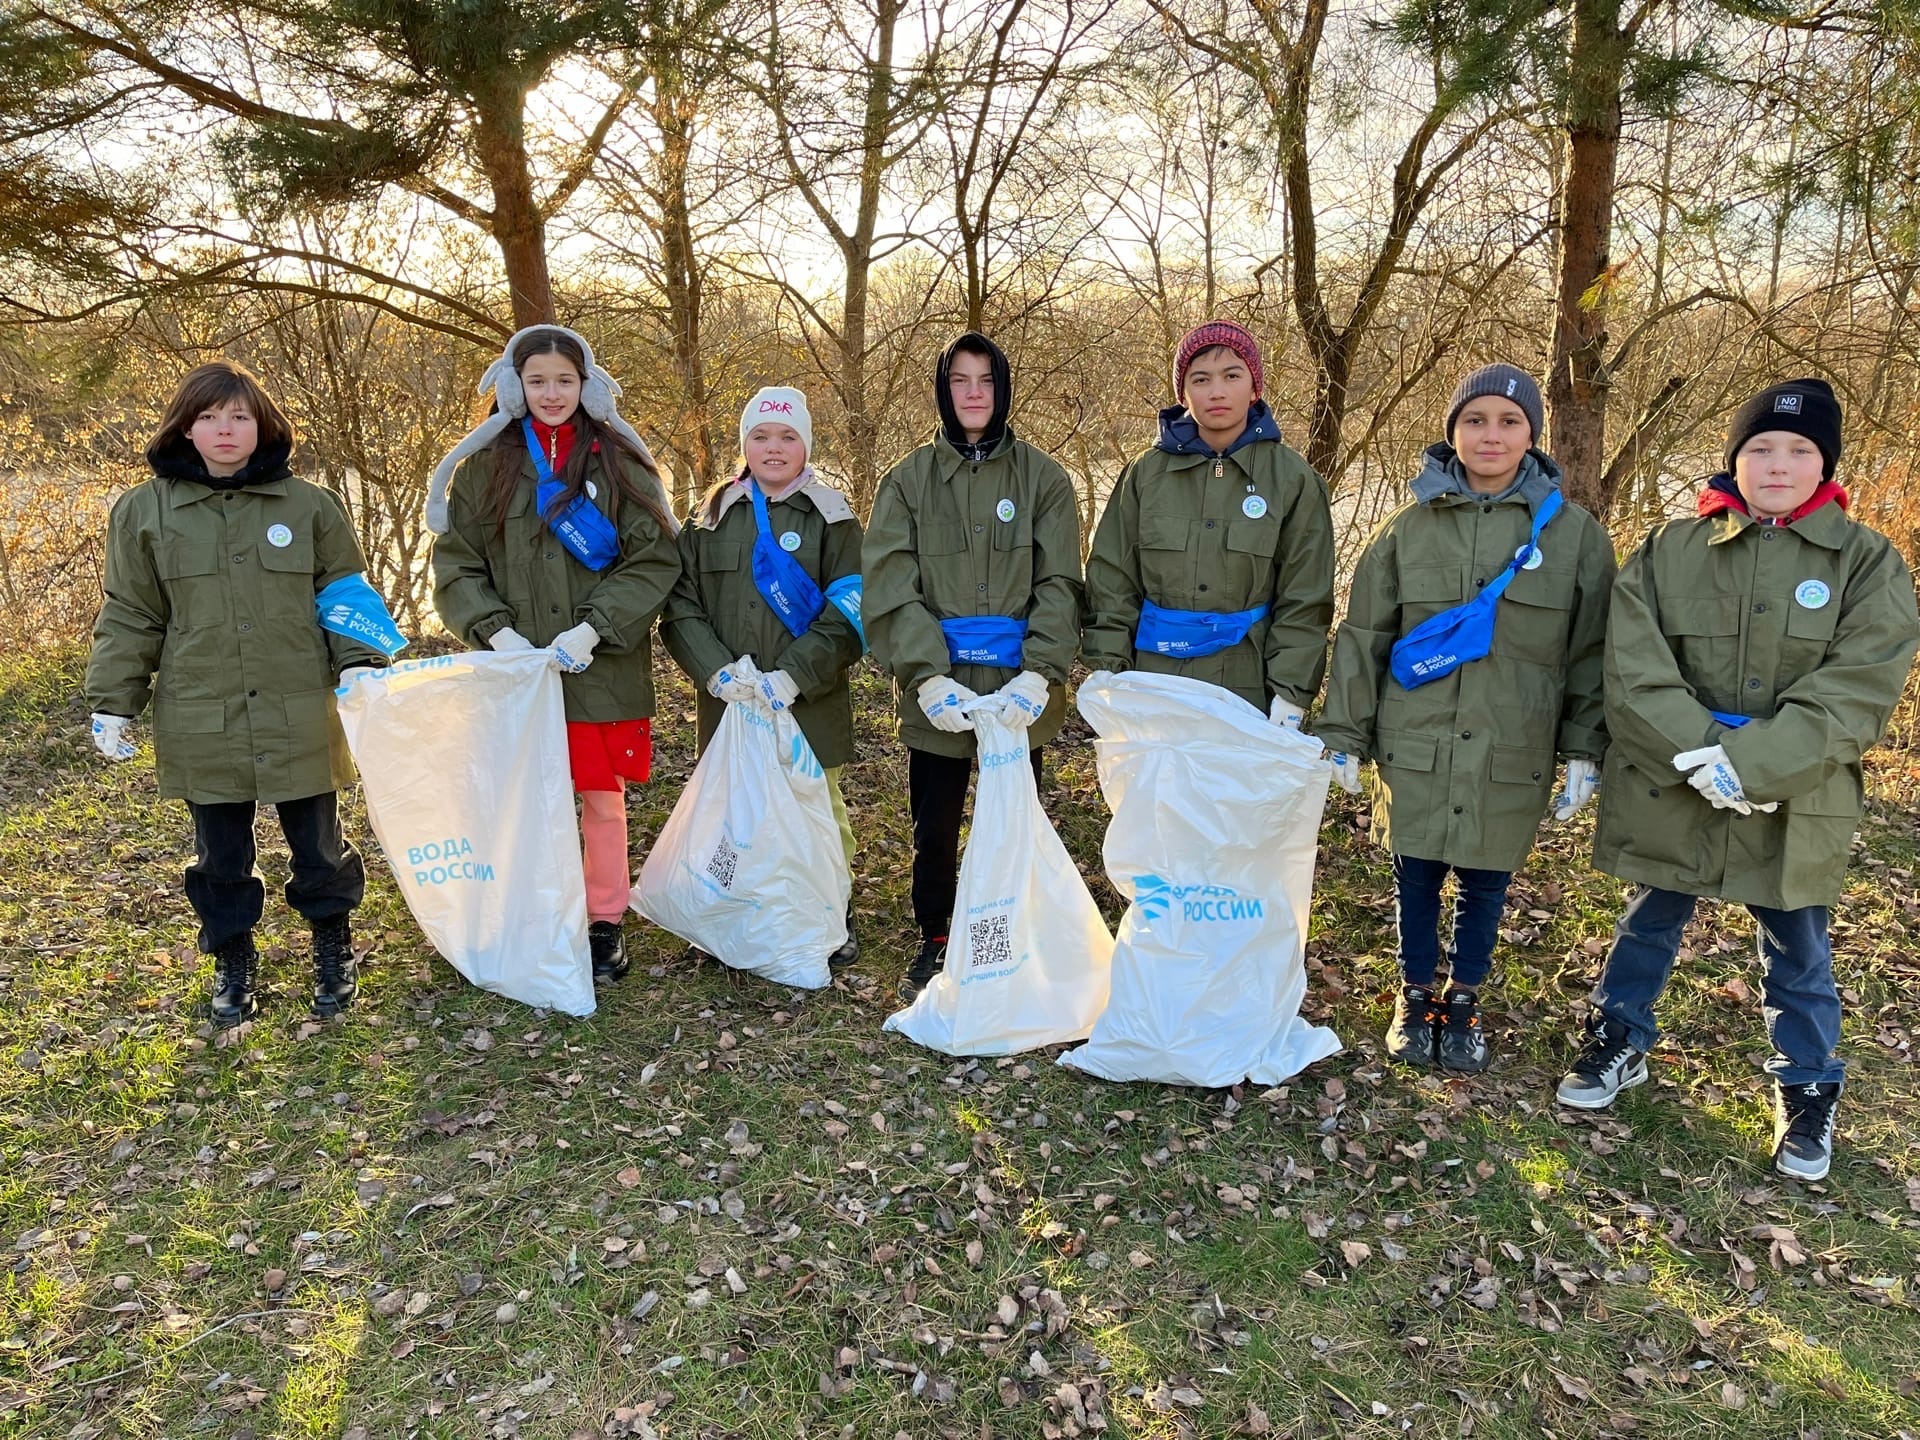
x=1577, y=385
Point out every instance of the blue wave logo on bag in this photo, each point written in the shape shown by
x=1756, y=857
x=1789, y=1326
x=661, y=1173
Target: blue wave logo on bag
x=801, y=759
x=1157, y=899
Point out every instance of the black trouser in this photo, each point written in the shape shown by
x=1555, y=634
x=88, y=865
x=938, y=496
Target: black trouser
x=226, y=890
x=937, y=796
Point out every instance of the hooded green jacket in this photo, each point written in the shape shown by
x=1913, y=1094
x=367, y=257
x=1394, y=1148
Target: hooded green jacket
x=209, y=612
x=1464, y=765
x=1196, y=531
x=1809, y=629
x=951, y=537
x=716, y=613
x=486, y=579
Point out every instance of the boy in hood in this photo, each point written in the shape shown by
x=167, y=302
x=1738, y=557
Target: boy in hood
x=1754, y=653
x=972, y=587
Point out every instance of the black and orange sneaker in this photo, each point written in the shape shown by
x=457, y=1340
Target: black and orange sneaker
x=1463, y=1038
x=1411, y=1036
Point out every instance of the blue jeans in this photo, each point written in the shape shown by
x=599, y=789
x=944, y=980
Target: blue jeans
x=1797, y=994
x=1476, y=919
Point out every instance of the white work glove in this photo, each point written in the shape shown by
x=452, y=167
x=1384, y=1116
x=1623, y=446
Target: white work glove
x=1284, y=713
x=1714, y=777
x=573, y=649
x=941, y=698
x=1346, y=771
x=778, y=690
x=507, y=639
x=736, y=683
x=1583, y=780
x=110, y=736
x=1026, y=696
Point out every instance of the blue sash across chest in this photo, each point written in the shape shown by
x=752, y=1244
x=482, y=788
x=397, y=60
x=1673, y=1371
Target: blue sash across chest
x=587, y=533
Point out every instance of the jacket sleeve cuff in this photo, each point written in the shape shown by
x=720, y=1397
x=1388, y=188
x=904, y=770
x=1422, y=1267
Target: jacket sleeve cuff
x=1580, y=742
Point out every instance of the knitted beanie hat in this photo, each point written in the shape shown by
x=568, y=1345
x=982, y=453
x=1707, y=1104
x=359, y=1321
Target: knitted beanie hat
x=1806, y=406
x=1236, y=338
x=782, y=403
x=598, y=391
x=1508, y=382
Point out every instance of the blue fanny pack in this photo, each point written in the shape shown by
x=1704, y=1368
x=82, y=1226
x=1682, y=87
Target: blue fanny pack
x=1190, y=634
x=353, y=608
x=781, y=580
x=1732, y=722
x=1439, y=646
x=588, y=535
x=985, y=640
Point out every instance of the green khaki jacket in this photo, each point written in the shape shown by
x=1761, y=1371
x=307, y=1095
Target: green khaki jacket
x=209, y=612
x=1177, y=531
x=716, y=614
x=1808, y=628
x=1464, y=765
x=485, y=581
x=938, y=548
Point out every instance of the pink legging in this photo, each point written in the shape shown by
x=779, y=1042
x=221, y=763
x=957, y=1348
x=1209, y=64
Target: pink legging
x=603, y=833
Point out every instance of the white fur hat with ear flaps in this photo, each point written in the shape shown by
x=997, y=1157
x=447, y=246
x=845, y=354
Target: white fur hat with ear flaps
x=598, y=391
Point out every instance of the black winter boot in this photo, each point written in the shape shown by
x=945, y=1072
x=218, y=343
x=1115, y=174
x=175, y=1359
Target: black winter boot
x=336, y=973
x=849, y=952
x=236, y=971
x=609, y=947
x=926, y=965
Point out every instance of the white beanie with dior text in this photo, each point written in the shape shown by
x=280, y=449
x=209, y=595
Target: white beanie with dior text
x=781, y=403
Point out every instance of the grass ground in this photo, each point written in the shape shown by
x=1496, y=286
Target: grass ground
x=722, y=1209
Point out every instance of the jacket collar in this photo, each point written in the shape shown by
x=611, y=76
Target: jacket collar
x=1442, y=476
x=1180, y=434
x=948, y=458
x=1822, y=520
x=266, y=471
x=832, y=506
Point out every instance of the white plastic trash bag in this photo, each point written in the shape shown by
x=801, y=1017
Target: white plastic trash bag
x=1028, y=960
x=749, y=866
x=1216, y=818
x=463, y=759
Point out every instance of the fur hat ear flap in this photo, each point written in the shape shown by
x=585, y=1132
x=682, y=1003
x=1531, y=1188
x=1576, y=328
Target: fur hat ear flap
x=598, y=393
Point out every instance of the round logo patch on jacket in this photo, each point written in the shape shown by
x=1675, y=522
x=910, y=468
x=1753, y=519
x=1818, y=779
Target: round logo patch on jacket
x=1005, y=511
x=1534, y=557
x=1812, y=593
x=790, y=541
x=279, y=536
x=1253, y=507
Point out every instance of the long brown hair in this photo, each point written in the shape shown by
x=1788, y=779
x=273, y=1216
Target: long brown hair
x=511, y=444
x=220, y=382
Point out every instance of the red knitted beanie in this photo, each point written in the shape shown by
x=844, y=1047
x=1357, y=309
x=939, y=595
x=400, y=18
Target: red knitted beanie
x=1218, y=332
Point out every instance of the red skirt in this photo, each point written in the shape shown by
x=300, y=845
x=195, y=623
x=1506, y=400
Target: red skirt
x=603, y=754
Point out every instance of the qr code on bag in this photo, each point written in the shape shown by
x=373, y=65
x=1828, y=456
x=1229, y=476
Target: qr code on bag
x=991, y=941
x=723, y=862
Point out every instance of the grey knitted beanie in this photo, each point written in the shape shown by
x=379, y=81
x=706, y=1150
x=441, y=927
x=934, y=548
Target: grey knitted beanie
x=1509, y=382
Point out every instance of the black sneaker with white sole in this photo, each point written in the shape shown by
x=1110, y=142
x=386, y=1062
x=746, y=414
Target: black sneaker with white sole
x=1606, y=1065
x=1410, y=1038
x=926, y=965
x=1803, y=1129
x=608, y=947
x=1463, y=1035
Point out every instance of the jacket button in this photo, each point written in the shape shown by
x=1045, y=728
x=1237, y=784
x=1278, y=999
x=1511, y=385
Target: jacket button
x=1653, y=794
x=980, y=587
x=978, y=528
x=245, y=626
x=1203, y=588
x=239, y=559
x=1536, y=774
x=252, y=693
x=259, y=759
x=1466, y=734
x=1458, y=809
x=549, y=554
x=1486, y=509
x=1753, y=684
x=1766, y=534
x=1761, y=608
x=1389, y=754
x=553, y=609
x=1210, y=524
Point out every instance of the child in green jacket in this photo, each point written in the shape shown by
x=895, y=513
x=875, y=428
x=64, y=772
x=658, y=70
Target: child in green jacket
x=743, y=630
x=1464, y=760
x=1754, y=654
x=215, y=571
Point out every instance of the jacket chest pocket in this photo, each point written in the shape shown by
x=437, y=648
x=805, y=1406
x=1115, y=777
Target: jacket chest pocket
x=286, y=578
x=1704, y=632
x=1250, y=547
x=1426, y=590
x=1533, y=617
x=196, y=590
x=1166, y=561
x=1809, y=633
